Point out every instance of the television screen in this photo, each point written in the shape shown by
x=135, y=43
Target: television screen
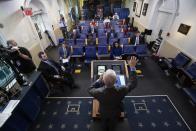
x=184, y=29
x=117, y=69
x=101, y=69
x=6, y=74
x=120, y=81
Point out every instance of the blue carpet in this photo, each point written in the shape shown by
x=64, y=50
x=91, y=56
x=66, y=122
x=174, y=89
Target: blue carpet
x=144, y=113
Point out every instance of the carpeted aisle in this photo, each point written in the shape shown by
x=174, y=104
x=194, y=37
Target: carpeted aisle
x=143, y=113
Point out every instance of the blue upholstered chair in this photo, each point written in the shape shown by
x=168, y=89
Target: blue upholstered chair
x=70, y=42
x=90, y=54
x=187, y=76
x=141, y=50
x=178, y=62
x=128, y=49
x=102, y=41
x=80, y=42
x=112, y=40
x=120, y=35
x=103, y=51
x=82, y=36
x=61, y=40
x=77, y=51
x=124, y=41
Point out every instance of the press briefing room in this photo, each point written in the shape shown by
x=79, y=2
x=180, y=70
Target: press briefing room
x=97, y=65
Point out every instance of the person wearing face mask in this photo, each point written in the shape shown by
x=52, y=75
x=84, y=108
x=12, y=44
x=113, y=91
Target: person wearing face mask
x=22, y=58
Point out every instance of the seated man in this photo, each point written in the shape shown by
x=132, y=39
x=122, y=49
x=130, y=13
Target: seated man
x=110, y=97
x=137, y=39
x=64, y=54
x=53, y=72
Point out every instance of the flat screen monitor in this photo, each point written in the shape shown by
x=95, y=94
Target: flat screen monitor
x=117, y=69
x=6, y=74
x=101, y=69
x=120, y=81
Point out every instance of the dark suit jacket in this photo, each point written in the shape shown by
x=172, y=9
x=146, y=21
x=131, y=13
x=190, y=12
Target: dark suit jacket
x=48, y=71
x=61, y=52
x=110, y=99
x=141, y=40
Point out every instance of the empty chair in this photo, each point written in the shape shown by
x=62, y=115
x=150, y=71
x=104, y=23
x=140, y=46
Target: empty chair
x=124, y=41
x=128, y=49
x=103, y=51
x=112, y=40
x=102, y=35
x=85, y=31
x=77, y=51
x=101, y=26
x=80, y=42
x=173, y=64
x=101, y=31
x=117, y=30
x=70, y=42
x=141, y=50
x=90, y=54
x=120, y=35
x=82, y=36
x=61, y=40
x=187, y=76
x=102, y=41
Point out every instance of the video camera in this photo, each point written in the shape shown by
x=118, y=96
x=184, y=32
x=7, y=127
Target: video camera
x=8, y=53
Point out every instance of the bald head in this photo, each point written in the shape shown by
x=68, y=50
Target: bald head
x=109, y=78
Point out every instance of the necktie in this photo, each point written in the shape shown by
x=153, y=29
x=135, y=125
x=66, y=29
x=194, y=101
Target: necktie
x=137, y=41
x=65, y=52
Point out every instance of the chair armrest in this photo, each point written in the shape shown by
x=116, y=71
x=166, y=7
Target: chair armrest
x=187, y=74
x=168, y=61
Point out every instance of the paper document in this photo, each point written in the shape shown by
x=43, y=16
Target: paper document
x=11, y=106
x=65, y=60
x=3, y=119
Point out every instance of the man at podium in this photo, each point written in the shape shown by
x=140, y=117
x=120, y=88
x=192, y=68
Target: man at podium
x=110, y=97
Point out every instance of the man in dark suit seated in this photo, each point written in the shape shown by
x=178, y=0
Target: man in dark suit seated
x=110, y=97
x=137, y=39
x=53, y=72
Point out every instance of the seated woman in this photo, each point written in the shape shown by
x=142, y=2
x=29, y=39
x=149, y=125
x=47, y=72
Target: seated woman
x=116, y=51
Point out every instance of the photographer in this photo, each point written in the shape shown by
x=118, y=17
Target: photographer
x=21, y=58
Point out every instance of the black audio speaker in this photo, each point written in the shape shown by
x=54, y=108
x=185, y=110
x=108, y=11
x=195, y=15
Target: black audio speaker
x=148, y=32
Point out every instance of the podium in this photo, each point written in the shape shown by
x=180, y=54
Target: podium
x=100, y=66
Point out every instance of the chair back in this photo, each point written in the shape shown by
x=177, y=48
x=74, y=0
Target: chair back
x=128, y=49
x=80, y=42
x=102, y=50
x=181, y=60
x=192, y=70
x=77, y=51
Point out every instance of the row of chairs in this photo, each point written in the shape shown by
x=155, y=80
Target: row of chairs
x=99, y=41
x=185, y=72
x=93, y=52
